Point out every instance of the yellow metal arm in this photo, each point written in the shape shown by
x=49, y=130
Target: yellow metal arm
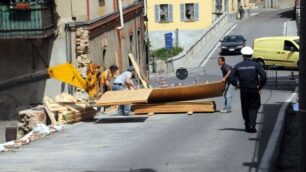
x=69, y=74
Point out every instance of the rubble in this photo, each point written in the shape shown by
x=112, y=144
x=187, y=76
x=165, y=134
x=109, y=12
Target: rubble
x=34, y=123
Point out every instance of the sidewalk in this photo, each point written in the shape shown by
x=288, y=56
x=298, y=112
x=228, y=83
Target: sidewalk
x=272, y=151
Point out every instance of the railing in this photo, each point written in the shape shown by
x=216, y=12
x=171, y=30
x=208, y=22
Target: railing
x=194, y=49
x=36, y=22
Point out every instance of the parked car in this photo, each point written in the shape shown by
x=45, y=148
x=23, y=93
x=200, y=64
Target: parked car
x=232, y=44
x=278, y=51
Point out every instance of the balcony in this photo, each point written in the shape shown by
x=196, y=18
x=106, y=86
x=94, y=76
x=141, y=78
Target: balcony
x=26, y=22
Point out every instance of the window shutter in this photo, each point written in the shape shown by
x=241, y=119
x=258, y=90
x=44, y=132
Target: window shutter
x=196, y=12
x=157, y=15
x=182, y=12
x=170, y=18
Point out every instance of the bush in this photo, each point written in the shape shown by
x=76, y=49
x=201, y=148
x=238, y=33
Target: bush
x=164, y=53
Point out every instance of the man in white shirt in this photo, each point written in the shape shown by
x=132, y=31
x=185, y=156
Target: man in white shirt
x=120, y=83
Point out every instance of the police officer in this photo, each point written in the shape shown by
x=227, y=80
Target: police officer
x=250, y=77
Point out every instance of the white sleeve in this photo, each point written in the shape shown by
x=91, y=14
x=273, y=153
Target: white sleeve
x=129, y=75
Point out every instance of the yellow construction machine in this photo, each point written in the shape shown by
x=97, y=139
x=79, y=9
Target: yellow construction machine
x=66, y=73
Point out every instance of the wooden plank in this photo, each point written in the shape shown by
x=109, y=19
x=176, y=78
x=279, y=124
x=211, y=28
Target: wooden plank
x=51, y=116
x=189, y=113
x=150, y=114
x=74, y=120
x=184, y=93
x=139, y=71
x=124, y=97
x=175, y=107
x=53, y=106
x=71, y=115
x=70, y=97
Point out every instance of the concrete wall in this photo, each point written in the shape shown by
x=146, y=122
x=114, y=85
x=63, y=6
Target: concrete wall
x=286, y=3
x=186, y=38
x=58, y=56
x=104, y=48
x=18, y=57
x=279, y=3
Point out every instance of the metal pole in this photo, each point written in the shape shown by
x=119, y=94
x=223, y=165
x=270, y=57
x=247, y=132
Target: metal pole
x=176, y=38
x=302, y=91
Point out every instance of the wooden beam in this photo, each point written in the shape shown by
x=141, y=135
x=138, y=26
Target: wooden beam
x=124, y=97
x=175, y=107
x=144, y=80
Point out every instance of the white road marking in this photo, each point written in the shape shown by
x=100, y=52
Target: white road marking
x=285, y=28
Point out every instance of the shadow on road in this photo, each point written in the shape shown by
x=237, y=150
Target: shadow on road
x=232, y=129
x=269, y=113
x=120, y=120
x=131, y=170
x=287, y=14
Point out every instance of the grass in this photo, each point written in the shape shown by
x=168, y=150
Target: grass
x=164, y=53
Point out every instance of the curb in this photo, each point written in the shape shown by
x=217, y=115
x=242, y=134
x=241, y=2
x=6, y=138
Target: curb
x=273, y=147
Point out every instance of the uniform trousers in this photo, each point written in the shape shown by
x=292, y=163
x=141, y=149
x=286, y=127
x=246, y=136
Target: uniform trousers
x=250, y=104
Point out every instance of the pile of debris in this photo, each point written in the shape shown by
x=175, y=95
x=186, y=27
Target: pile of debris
x=66, y=109
x=34, y=123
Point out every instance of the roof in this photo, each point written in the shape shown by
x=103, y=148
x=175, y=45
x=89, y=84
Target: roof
x=279, y=37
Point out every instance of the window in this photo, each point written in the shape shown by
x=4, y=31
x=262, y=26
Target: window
x=101, y=3
x=289, y=46
x=131, y=42
x=163, y=13
x=218, y=7
x=190, y=12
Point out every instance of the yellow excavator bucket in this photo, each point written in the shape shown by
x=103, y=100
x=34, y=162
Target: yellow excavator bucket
x=67, y=73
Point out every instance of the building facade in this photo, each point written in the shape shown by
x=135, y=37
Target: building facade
x=186, y=19
x=36, y=35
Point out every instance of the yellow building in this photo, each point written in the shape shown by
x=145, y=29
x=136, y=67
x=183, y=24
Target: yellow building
x=231, y=6
x=186, y=19
x=185, y=14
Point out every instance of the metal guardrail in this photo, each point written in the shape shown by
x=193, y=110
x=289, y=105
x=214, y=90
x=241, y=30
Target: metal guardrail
x=204, y=38
x=168, y=78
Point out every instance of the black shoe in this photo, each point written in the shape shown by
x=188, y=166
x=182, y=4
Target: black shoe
x=253, y=130
x=247, y=128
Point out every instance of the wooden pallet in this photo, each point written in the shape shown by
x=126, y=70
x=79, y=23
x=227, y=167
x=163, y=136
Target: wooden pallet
x=174, y=107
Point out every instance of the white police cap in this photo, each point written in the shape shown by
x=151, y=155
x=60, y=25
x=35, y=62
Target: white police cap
x=246, y=50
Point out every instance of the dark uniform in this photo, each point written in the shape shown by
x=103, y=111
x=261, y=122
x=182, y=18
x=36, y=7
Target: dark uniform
x=225, y=68
x=251, y=78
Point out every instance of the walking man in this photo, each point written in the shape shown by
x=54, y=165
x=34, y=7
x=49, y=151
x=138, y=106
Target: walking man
x=229, y=88
x=241, y=12
x=120, y=83
x=250, y=77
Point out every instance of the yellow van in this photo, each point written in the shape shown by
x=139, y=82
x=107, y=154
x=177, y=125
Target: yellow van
x=279, y=51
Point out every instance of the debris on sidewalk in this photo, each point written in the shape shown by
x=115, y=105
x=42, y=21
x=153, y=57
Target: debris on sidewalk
x=34, y=123
x=67, y=109
x=28, y=119
x=41, y=130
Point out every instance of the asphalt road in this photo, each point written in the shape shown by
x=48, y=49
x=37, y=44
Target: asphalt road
x=207, y=142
